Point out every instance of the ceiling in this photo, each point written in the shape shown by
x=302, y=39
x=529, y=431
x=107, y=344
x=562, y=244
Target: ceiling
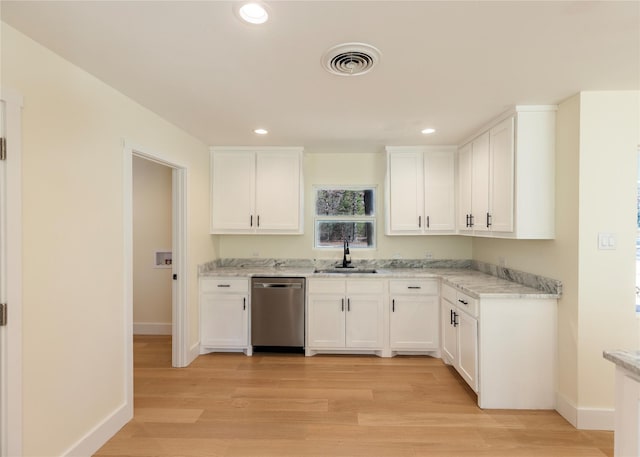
x=448, y=65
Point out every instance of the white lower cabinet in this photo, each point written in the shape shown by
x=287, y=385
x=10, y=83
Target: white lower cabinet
x=504, y=348
x=345, y=315
x=414, y=316
x=460, y=334
x=224, y=315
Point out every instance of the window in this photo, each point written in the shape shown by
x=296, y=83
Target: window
x=345, y=214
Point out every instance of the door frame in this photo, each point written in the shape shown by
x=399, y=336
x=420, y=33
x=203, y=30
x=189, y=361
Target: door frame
x=11, y=334
x=179, y=311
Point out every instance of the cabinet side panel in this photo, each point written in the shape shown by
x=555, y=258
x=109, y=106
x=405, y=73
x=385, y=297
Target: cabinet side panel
x=535, y=174
x=517, y=353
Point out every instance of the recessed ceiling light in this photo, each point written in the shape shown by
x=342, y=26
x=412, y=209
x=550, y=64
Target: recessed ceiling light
x=253, y=13
x=428, y=131
x=261, y=131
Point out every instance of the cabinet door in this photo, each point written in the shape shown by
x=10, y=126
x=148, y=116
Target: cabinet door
x=232, y=191
x=480, y=182
x=326, y=321
x=278, y=191
x=364, y=321
x=468, y=349
x=405, y=192
x=224, y=320
x=502, y=169
x=414, y=322
x=449, y=333
x=439, y=191
x=465, y=177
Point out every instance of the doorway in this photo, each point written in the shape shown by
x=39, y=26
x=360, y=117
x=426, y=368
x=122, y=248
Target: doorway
x=179, y=312
x=152, y=252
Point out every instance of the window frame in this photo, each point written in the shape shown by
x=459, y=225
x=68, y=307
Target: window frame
x=372, y=219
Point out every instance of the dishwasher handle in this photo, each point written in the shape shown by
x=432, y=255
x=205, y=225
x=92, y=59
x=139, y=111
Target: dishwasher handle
x=276, y=285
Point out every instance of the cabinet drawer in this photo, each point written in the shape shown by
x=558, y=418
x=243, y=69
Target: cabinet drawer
x=224, y=285
x=460, y=299
x=365, y=286
x=326, y=286
x=413, y=287
x=467, y=303
x=449, y=293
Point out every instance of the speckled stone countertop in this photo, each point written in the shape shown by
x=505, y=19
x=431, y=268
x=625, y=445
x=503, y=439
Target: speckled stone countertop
x=629, y=360
x=458, y=274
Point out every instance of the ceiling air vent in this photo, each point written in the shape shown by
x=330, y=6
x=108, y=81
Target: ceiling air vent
x=350, y=59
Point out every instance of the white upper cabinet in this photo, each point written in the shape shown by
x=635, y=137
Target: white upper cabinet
x=420, y=190
x=256, y=190
x=506, y=177
x=501, y=179
x=473, y=184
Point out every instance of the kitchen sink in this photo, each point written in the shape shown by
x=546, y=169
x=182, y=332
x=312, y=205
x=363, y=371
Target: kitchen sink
x=345, y=270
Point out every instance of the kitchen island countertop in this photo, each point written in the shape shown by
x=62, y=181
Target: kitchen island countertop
x=629, y=360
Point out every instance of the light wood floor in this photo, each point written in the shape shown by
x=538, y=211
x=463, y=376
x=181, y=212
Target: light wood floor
x=350, y=406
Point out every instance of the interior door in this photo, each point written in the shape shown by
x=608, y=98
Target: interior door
x=3, y=293
x=11, y=276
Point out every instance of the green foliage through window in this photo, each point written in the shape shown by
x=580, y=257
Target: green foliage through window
x=341, y=202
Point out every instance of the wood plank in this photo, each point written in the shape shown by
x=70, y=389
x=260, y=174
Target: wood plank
x=279, y=405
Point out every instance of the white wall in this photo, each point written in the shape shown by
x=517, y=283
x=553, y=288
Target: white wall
x=343, y=167
x=151, y=233
x=73, y=233
x=597, y=138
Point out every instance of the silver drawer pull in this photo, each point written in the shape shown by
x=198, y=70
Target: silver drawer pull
x=224, y=285
x=463, y=302
x=414, y=287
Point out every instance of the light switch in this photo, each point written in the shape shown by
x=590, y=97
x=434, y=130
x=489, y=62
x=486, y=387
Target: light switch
x=607, y=241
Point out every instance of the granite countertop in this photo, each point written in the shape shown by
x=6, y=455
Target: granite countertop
x=629, y=360
x=472, y=282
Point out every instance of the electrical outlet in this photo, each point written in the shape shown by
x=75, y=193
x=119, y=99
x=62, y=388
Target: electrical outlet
x=502, y=262
x=428, y=255
x=396, y=255
x=255, y=254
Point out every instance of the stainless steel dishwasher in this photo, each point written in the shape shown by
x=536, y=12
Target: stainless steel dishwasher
x=277, y=314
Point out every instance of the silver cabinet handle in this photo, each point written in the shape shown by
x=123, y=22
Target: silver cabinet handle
x=393, y=305
x=244, y=303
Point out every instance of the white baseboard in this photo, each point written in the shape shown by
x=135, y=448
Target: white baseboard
x=151, y=328
x=596, y=419
x=585, y=418
x=101, y=433
x=194, y=352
